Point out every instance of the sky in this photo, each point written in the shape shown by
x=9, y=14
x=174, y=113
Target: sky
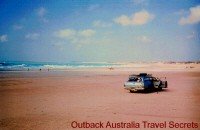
x=99, y=30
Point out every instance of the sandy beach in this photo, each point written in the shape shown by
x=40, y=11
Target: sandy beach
x=53, y=100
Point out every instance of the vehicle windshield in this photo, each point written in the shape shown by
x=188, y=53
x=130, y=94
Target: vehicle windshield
x=135, y=79
x=148, y=78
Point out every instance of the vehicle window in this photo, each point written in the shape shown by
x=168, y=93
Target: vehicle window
x=135, y=79
x=139, y=80
x=148, y=78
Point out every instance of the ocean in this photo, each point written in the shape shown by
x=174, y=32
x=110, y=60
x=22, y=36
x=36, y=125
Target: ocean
x=22, y=66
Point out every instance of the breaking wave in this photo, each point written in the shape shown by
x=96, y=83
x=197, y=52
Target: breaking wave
x=20, y=66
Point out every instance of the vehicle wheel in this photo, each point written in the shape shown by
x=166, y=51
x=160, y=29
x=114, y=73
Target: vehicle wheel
x=131, y=91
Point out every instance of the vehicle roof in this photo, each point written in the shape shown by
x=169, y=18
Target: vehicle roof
x=140, y=75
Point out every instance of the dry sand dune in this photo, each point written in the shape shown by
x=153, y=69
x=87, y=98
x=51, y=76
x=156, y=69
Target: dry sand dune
x=53, y=100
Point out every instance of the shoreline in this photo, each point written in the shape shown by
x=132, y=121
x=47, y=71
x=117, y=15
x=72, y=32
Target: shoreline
x=122, y=66
x=108, y=69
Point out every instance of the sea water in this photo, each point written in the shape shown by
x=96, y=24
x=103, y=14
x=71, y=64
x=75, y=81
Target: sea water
x=20, y=66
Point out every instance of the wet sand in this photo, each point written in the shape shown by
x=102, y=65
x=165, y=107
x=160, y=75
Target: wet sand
x=53, y=100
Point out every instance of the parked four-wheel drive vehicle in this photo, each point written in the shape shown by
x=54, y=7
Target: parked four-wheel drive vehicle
x=144, y=81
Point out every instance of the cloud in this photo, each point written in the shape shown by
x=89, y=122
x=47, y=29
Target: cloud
x=17, y=27
x=123, y=20
x=3, y=38
x=66, y=33
x=76, y=36
x=192, y=18
x=87, y=32
x=144, y=39
x=99, y=23
x=32, y=36
x=71, y=33
x=41, y=11
x=138, y=18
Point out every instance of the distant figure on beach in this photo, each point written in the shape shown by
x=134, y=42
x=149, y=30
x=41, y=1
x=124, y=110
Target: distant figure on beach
x=111, y=68
x=190, y=67
x=40, y=69
x=28, y=69
x=48, y=69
